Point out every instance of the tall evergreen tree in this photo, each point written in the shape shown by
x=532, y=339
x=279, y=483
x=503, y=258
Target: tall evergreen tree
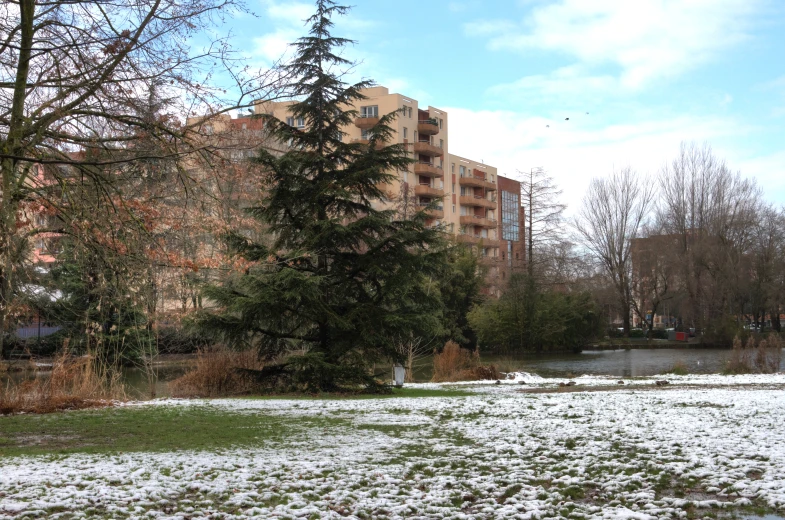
x=343, y=275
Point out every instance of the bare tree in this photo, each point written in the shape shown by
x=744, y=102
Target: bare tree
x=540, y=196
x=653, y=270
x=72, y=78
x=613, y=211
x=713, y=212
x=412, y=349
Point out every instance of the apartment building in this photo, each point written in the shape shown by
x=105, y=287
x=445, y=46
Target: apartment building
x=466, y=191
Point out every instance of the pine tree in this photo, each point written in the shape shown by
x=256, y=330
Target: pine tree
x=342, y=277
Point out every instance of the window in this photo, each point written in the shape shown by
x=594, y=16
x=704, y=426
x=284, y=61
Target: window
x=369, y=111
x=300, y=122
x=290, y=121
x=453, y=208
x=441, y=121
x=452, y=168
x=365, y=133
x=410, y=112
x=441, y=143
x=510, y=204
x=462, y=170
x=405, y=132
x=453, y=187
x=208, y=129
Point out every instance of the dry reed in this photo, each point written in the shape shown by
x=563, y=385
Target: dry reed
x=219, y=372
x=454, y=363
x=74, y=382
x=762, y=357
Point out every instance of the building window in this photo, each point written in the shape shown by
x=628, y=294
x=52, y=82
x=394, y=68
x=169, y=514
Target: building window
x=365, y=133
x=453, y=187
x=441, y=143
x=510, y=204
x=410, y=112
x=208, y=129
x=300, y=122
x=290, y=121
x=462, y=170
x=441, y=121
x=405, y=132
x=453, y=208
x=452, y=169
x=369, y=111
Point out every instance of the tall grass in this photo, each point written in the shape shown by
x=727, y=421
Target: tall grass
x=73, y=382
x=454, y=363
x=219, y=371
x=755, y=357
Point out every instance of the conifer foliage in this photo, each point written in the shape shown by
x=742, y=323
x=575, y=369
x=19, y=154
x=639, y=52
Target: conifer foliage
x=343, y=275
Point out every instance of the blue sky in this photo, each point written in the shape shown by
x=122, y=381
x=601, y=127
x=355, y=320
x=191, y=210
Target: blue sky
x=650, y=74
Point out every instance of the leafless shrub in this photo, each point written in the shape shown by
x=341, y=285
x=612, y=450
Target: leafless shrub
x=219, y=371
x=412, y=349
x=74, y=382
x=751, y=358
x=454, y=363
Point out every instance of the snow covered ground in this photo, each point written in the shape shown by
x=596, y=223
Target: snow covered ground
x=712, y=448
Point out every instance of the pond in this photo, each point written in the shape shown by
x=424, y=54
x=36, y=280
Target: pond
x=621, y=363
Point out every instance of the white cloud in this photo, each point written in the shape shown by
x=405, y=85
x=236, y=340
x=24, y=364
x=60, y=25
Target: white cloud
x=647, y=39
x=574, y=152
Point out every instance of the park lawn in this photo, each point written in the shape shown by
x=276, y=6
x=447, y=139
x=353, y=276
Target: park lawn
x=495, y=453
x=170, y=428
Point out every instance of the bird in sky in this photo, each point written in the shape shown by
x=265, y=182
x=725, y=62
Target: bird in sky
x=566, y=118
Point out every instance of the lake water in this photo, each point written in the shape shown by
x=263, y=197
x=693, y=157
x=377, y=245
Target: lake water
x=621, y=363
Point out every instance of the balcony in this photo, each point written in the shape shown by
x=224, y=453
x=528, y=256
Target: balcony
x=435, y=212
x=426, y=190
x=426, y=148
x=427, y=169
x=366, y=122
x=477, y=201
x=465, y=238
x=473, y=220
x=490, y=260
x=428, y=126
x=476, y=182
x=471, y=238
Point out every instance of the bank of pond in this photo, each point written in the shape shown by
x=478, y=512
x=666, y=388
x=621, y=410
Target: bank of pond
x=622, y=362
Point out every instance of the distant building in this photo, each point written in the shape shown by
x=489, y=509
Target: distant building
x=469, y=189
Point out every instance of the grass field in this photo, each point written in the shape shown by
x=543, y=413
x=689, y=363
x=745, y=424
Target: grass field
x=482, y=452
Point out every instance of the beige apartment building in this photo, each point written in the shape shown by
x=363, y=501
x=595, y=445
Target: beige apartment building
x=468, y=189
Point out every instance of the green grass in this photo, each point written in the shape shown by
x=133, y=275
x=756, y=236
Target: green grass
x=148, y=428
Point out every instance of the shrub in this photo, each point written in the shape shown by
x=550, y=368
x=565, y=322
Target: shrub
x=219, y=371
x=679, y=368
x=749, y=358
x=454, y=363
x=74, y=382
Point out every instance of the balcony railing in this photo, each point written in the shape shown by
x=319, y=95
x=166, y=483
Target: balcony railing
x=428, y=126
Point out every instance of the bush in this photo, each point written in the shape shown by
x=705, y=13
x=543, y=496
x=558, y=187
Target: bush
x=219, y=372
x=679, y=368
x=749, y=358
x=74, y=382
x=659, y=334
x=637, y=333
x=454, y=363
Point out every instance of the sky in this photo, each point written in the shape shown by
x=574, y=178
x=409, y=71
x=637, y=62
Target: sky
x=635, y=78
